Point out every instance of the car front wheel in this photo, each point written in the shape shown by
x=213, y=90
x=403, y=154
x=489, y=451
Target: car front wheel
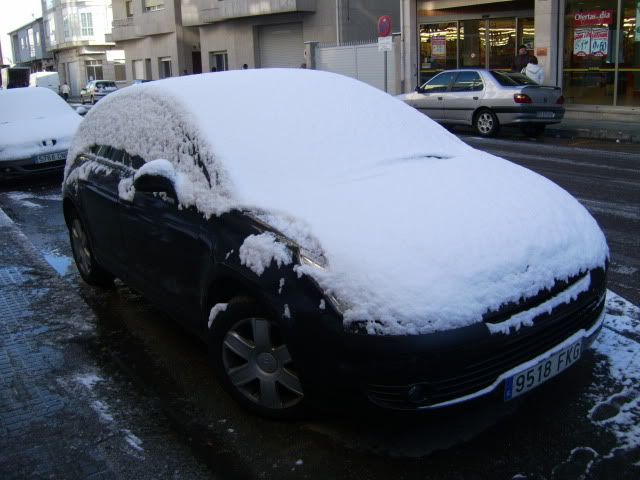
x=89, y=270
x=253, y=362
x=486, y=123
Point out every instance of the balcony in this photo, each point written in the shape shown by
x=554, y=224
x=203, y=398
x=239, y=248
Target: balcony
x=143, y=24
x=198, y=12
x=123, y=29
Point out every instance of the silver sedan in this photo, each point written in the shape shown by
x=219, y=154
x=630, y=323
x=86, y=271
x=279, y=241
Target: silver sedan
x=487, y=99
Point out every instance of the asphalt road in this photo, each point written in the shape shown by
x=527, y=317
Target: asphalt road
x=546, y=435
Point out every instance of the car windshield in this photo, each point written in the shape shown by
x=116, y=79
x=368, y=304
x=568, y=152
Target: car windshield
x=503, y=79
x=30, y=103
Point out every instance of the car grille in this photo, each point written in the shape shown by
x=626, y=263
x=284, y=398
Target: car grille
x=509, y=352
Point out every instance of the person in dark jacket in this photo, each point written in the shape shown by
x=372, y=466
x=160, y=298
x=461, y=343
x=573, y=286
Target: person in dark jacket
x=521, y=60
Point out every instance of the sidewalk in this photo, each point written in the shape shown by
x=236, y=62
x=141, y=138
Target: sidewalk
x=61, y=414
x=627, y=132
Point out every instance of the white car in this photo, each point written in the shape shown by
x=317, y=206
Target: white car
x=36, y=127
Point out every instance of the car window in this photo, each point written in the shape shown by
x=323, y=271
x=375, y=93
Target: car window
x=439, y=83
x=106, y=84
x=503, y=79
x=136, y=162
x=117, y=155
x=104, y=151
x=467, y=82
x=521, y=79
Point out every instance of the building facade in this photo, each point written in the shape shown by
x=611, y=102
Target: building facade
x=28, y=45
x=155, y=42
x=590, y=48
x=78, y=34
x=272, y=33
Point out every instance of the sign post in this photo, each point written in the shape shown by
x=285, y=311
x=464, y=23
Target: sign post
x=385, y=41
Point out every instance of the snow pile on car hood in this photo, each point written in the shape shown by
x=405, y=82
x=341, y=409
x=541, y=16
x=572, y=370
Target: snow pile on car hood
x=34, y=121
x=420, y=232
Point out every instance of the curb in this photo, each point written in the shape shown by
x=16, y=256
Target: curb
x=627, y=136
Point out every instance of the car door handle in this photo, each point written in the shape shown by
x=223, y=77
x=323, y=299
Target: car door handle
x=439, y=98
x=475, y=98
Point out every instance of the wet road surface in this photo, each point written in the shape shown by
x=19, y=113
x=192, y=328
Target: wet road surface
x=550, y=434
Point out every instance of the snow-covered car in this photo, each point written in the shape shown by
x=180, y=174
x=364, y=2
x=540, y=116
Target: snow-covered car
x=486, y=100
x=333, y=248
x=36, y=127
x=97, y=89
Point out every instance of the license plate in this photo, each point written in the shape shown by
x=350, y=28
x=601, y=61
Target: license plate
x=545, y=114
x=548, y=368
x=51, y=157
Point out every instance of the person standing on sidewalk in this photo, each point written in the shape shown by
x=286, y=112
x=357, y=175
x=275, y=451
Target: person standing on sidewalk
x=521, y=60
x=65, y=91
x=534, y=71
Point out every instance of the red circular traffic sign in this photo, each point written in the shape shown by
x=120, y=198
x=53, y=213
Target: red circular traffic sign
x=384, y=26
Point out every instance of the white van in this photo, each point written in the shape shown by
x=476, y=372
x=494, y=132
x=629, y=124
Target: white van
x=50, y=80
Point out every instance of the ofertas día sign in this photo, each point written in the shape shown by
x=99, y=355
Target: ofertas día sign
x=594, y=17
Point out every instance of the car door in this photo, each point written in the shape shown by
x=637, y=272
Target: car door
x=430, y=97
x=99, y=200
x=465, y=96
x=168, y=254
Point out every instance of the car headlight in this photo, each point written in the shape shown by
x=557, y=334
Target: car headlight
x=312, y=259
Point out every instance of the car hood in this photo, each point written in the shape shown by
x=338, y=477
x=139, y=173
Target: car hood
x=429, y=244
x=25, y=138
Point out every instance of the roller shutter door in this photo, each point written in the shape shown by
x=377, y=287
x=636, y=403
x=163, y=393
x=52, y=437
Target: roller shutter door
x=281, y=45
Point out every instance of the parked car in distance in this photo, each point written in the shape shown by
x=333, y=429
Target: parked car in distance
x=96, y=89
x=486, y=100
x=36, y=127
x=383, y=264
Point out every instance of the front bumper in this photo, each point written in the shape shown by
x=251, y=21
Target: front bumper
x=424, y=372
x=29, y=166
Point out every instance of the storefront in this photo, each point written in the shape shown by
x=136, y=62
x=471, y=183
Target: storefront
x=454, y=35
x=601, y=60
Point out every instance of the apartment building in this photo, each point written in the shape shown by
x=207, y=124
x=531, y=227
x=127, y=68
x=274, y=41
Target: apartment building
x=28, y=45
x=78, y=34
x=156, y=43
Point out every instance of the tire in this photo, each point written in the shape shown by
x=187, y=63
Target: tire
x=82, y=99
x=486, y=123
x=252, y=361
x=533, y=129
x=93, y=100
x=90, y=271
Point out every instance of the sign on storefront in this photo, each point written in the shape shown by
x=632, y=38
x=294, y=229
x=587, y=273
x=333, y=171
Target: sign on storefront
x=581, y=42
x=439, y=47
x=599, y=42
x=594, y=17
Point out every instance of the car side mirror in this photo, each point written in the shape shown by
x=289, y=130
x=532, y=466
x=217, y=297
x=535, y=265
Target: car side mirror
x=418, y=89
x=154, y=183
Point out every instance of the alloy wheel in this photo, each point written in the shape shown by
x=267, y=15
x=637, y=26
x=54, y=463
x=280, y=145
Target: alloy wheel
x=486, y=123
x=81, y=246
x=258, y=364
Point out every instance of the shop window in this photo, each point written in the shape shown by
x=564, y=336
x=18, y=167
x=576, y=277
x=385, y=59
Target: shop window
x=472, y=34
x=128, y=5
x=502, y=43
x=438, y=48
x=629, y=57
x=147, y=69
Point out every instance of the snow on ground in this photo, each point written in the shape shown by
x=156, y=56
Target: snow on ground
x=420, y=232
x=619, y=342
